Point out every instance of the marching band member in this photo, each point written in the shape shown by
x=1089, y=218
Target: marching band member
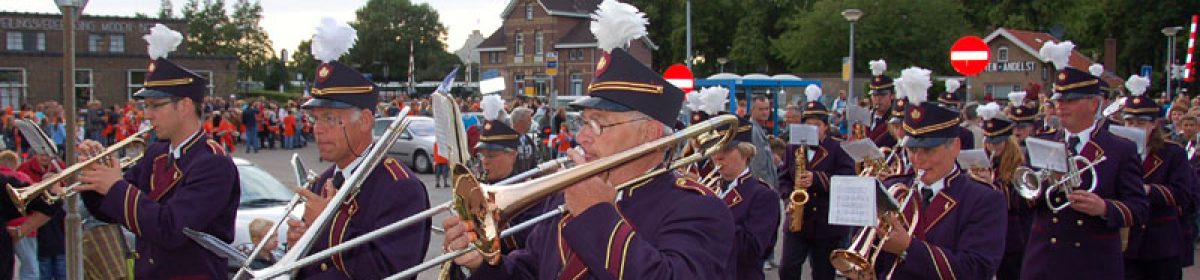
x=667, y=227
x=896, y=129
x=1157, y=244
x=752, y=202
x=1006, y=156
x=185, y=182
x=953, y=99
x=1087, y=232
x=498, y=144
x=1025, y=117
x=342, y=105
x=881, y=92
x=960, y=221
x=816, y=238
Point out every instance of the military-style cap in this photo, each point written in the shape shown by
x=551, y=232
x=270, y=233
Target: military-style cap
x=952, y=97
x=880, y=84
x=926, y=124
x=497, y=135
x=1018, y=112
x=744, y=131
x=814, y=108
x=1138, y=105
x=338, y=85
x=165, y=78
x=897, y=111
x=995, y=127
x=1069, y=83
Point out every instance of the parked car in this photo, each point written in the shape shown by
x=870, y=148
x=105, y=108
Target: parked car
x=415, y=146
x=264, y=197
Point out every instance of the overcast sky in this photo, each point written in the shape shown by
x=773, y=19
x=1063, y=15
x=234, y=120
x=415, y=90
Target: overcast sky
x=289, y=21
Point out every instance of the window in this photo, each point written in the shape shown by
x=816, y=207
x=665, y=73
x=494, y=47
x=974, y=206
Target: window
x=528, y=11
x=538, y=38
x=519, y=48
x=1002, y=54
x=94, y=41
x=12, y=86
x=540, y=84
x=575, y=55
x=519, y=83
x=136, y=78
x=16, y=41
x=494, y=57
x=41, y=41
x=576, y=83
x=1016, y=87
x=83, y=86
x=116, y=43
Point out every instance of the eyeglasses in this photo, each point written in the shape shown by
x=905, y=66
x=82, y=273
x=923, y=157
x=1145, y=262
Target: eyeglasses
x=151, y=106
x=328, y=119
x=596, y=127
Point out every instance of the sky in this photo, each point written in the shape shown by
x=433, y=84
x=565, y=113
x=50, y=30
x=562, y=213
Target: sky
x=288, y=22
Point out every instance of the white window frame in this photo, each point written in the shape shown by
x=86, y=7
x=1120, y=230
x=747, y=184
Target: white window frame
x=41, y=41
x=132, y=87
x=538, y=39
x=89, y=85
x=14, y=41
x=22, y=88
x=528, y=11
x=576, y=83
x=519, y=48
x=1002, y=54
x=95, y=43
x=112, y=44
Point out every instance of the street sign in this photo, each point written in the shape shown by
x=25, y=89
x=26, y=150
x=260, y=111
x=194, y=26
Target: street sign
x=552, y=63
x=969, y=55
x=1145, y=70
x=680, y=76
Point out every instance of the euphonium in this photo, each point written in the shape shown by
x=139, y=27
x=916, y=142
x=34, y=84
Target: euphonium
x=799, y=195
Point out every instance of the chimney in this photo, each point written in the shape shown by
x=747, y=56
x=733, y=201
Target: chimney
x=1110, y=55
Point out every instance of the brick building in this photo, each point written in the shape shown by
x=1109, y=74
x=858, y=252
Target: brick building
x=1015, y=62
x=532, y=31
x=110, y=58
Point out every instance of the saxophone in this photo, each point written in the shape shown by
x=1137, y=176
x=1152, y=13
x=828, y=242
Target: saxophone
x=799, y=195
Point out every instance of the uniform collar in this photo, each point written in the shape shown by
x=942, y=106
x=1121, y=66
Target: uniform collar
x=352, y=166
x=734, y=183
x=1084, y=136
x=938, y=185
x=176, y=152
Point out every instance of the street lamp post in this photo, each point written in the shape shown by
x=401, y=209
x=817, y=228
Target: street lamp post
x=851, y=15
x=722, y=61
x=1170, y=33
x=74, y=222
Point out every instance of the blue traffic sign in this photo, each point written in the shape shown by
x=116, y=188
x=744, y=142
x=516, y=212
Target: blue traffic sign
x=1146, y=70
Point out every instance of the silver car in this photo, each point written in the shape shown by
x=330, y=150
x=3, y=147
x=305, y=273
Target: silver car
x=262, y=196
x=415, y=146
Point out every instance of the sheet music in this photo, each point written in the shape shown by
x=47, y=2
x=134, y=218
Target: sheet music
x=974, y=159
x=445, y=122
x=852, y=201
x=1046, y=154
x=1137, y=135
x=862, y=149
x=803, y=134
x=855, y=114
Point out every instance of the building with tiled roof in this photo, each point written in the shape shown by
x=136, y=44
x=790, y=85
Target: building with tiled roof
x=1015, y=62
x=534, y=30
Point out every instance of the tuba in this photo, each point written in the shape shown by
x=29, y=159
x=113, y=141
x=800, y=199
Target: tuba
x=799, y=195
x=859, y=259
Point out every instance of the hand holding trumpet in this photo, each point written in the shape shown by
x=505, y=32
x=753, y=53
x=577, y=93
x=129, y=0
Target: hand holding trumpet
x=98, y=177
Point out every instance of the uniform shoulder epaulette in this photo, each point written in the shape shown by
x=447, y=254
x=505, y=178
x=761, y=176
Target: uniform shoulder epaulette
x=215, y=147
x=692, y=185
x=394, y=168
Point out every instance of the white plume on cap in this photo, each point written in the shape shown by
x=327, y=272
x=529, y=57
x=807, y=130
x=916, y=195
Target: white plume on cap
x=1137, y=85
x=812, y=93
x=694, y=101
x=989, y=111
x=1096, y=69
x=1057, y=53
x=492, y=106
x=952, y=85
x=161, y=41
x=713, y=99
x=1016, y=98
x=332, y=40
x=878, y=66
x=615, y=24
x=914, y=83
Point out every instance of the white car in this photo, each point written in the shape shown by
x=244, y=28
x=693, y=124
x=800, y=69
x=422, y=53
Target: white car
x=415, y=146
x=264, y=197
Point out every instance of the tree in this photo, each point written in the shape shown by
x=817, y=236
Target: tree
x=302, y=61
x=250, y=41
x=386, y=28
x=165, y=10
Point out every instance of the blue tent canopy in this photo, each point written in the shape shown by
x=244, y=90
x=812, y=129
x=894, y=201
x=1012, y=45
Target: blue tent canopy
x=751, y=81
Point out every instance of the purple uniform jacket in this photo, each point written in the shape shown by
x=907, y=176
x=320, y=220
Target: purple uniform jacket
x=879, y=133
x=828, y=160
x=959, y=235
x=390, y=193
x=755, y=211
x=1071, y=238
x=160, y=196
x=668, y=228
x=1173, y=186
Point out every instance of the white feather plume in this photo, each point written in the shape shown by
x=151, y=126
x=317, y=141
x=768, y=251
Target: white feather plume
x=695, y=101
x=915, y=83
x=1057, y=53
x=332, y=40
x=615, y=24
x=492, y=106
x=1096, y=69
x=714, y=100
x=952, y=85
x=812, y=93
x=1017, y=98
x=161, y=41
x=989, y=111
x=878, y=66
x=1137, y=85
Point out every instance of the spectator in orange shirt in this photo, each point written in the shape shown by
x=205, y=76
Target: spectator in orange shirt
x=441, y=168
x=289, y=130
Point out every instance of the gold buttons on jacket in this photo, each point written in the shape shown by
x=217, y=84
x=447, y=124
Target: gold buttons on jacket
x=1076, y=244
x=1053, y=240
x=1054, y=220
x=1079, y=222
x=151, y=260
x=324, y=267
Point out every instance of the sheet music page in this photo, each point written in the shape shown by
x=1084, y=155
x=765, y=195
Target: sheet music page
x=1137, y=135
x=852, y=201
x=974, y=159
x=1046, y=154
x=444, y=124
x=862, y=149
x=855, y=114
x=803, y=134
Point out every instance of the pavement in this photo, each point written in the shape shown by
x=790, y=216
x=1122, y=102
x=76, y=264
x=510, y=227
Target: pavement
x=277, y=162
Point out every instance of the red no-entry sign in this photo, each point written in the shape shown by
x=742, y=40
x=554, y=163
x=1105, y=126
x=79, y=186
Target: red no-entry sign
x=680, y=76
x=969, y=55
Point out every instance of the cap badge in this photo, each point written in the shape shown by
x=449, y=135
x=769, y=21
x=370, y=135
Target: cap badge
x=1019, y=111
x=150, y=69
x=602, y=64
x=1062, y=76
x=812, y=105
x=990, y=125
x=323, y=72
x=915, y=114
x=487, y=126
x=1137, y=101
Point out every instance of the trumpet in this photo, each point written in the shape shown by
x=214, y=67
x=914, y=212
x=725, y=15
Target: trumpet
x=859, y=258
x=1029, y=182
x=799, y=196
x=21, y=197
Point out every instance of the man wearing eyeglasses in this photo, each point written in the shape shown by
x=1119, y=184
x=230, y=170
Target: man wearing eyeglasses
x=665, y=227
x=186, y=182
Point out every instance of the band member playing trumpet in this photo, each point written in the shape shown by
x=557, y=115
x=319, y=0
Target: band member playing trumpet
x=1157, y=244
x=882, y=93
x=960, y=222
x=666, y=227
x=186, y=181
x=753, y=204
x=815, y=238
x=1006, y=155
x=342, y=105
x=1088, y=232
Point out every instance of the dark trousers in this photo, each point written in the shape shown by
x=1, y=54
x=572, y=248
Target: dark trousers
x=1010, y=266
x=1156, y=269
x=796, y=248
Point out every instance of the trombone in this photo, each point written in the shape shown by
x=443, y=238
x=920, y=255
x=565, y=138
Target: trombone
x=21, y=197
x=304, y=177
x=1029, y=183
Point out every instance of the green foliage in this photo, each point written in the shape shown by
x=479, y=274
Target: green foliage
x=213, y=31
x=386, y=28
